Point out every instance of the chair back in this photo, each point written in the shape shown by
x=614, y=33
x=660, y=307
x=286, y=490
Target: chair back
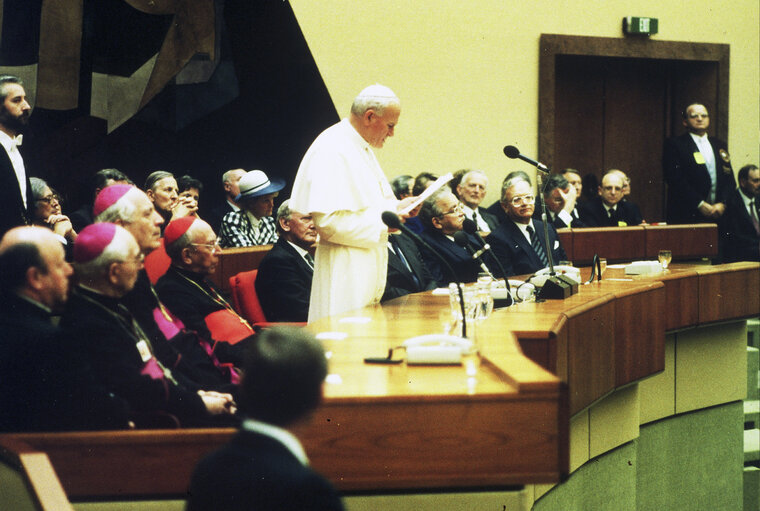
x=244, y=296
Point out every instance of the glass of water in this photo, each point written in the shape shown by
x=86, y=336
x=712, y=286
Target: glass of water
x=664, y=256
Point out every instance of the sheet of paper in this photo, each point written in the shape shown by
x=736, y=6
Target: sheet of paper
x=430, y=190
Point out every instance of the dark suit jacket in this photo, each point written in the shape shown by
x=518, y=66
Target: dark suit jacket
x=465, y=268
x=497, y=212
x=557, y=222
x=490, y=219
x=12, y=210
x=515, y=251
x=254, y=472
x=283, y=284
x=742, y=242
x=215, y=216
x=400, y=281
x=45, y=385
x=689, y=182
x=593, y=214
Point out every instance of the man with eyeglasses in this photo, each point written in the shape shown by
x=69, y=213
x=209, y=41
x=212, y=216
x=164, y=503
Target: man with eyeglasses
x=519, y=242
x=442, y=215
x=186, y=291
x=16, y=198
x=697, y=170
x=609, y=209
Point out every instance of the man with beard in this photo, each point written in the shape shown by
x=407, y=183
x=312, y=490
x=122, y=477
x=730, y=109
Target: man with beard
x=15, y=190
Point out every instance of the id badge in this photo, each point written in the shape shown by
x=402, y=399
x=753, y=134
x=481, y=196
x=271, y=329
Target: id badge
x=699, y=158
x=145, y=353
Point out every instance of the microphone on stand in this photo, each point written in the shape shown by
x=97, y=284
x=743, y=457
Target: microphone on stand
x=392, y=220
x=512, y=152
x=460, y=237
x=470, y=227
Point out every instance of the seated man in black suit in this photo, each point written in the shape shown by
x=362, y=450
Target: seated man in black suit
x=442, y=216
x=283, y=283
x=560, y=198
x=519, y=242
x=609, y=209
x=43, y=385
x=471, y=190
x=407, y=273
x=741, y=224
x=264, y=467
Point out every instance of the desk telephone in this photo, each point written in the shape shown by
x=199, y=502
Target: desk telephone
x=436, y=349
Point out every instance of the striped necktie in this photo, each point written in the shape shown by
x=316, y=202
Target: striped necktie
x=538, y=248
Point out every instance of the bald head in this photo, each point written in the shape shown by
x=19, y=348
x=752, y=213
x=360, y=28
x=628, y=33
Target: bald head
x=33, y=264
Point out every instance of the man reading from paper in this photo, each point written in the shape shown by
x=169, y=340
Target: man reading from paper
x=340, y=183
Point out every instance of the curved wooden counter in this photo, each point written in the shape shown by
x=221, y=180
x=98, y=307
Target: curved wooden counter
x=496, y=422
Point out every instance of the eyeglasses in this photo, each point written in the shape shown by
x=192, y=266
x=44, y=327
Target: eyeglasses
x=454, y=210
x=698, y=115
x=211, y=245
x=523, y=199
x=49, y=199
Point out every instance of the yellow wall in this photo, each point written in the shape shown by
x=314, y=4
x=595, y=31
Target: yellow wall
x=467, y=72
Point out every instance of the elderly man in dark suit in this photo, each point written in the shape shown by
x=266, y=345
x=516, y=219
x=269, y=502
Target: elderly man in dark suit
x=443, y=216
x=407, y=273
x=519, y=242
x=264, y=467
x=16, y=201
x=283, y=283
x=609, y=209
x=698, y=171
x=741, y=226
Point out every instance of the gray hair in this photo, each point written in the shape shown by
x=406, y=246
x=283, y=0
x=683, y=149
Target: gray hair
x=430, y=209
x=155, y=177
x=38, y=187
x=115, y=252
x=227, y=176
x=468, y=173
x=284, y=211
x=512, y=178
x=375, y=97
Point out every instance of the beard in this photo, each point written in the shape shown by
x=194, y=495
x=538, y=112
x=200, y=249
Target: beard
x=12, y=122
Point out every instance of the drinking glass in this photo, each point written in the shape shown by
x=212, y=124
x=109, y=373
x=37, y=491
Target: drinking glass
x=664, y=256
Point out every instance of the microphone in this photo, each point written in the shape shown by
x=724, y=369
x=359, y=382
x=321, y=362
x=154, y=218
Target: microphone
x=460, y=237
x=470, y=227
x=512, y=152
x=392, y=220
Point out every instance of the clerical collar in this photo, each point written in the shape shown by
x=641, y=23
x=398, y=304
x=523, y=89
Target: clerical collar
x=285, y=437
x=109, y=301
x=197, y=277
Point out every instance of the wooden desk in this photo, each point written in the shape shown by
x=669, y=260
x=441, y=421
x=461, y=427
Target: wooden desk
x=501, y=421
x=687, y=242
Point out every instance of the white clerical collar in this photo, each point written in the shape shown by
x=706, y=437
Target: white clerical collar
x=283, y=436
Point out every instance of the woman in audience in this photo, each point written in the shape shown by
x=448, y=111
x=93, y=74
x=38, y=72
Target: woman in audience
x=163, y=192
x=47, y=211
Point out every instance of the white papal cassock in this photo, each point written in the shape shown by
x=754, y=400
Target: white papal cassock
x=341, y=184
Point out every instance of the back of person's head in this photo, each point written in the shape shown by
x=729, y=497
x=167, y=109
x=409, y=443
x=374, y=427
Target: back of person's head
x=179, y=235
x=39, y=186
x=97, y=247
x=187, y=182
x=283, y=375
x=283, y=214
x=105, y=177
x=400, y=186
x=15, y=260
x=422, y=181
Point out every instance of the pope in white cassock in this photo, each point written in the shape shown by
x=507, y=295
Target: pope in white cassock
x=340, y=183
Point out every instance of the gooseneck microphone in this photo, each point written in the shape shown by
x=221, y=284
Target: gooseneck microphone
x=512, y=152
x=470, y=227
x=460, y=238
x=392, y=220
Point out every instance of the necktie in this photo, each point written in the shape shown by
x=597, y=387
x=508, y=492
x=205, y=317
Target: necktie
x=613, y=217
x=538, y=248
x=400, y=255
x=309, y=260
